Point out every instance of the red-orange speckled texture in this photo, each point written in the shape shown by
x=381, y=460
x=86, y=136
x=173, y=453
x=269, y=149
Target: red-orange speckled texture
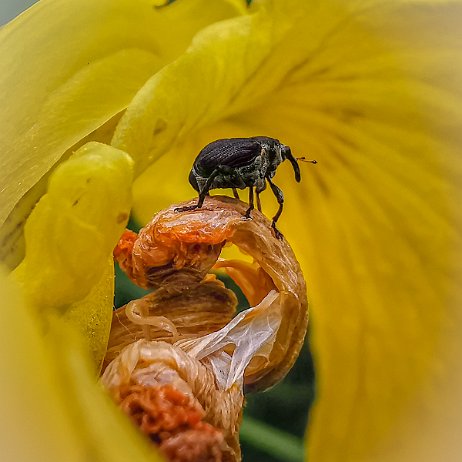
x=173, y=421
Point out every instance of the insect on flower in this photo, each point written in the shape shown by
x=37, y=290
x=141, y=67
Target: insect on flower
x=240, y=163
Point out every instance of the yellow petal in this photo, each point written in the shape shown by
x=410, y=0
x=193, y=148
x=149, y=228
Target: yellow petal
x=75, y=226
x=372, y=91
x=67, y=69
x=27, y=389
x=52, y=407
x=166, y=109
x=92, y=315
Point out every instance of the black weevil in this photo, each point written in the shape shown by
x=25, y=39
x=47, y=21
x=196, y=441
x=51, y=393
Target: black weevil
x=240, y=163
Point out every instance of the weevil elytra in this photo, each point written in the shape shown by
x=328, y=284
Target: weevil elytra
x=240, y=163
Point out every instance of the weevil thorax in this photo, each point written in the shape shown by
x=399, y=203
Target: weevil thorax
x=272, y=153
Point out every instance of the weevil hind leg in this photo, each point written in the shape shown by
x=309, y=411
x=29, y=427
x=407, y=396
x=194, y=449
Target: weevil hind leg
x=280, y=198
x=200, y=201
x=204, y=192
x=236, y=194
x=251, y=206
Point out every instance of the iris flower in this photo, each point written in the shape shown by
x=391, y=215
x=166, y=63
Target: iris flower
x=95, y=93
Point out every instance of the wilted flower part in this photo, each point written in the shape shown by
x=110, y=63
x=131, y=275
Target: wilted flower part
x=273, y=285
x=184, y=348
x=174, y=421
x=147, y=367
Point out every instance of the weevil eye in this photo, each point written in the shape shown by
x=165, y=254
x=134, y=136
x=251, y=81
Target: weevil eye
x=285, y=152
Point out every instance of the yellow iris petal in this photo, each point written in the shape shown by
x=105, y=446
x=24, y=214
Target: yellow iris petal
x=70, y=236
x=93, y=314
x=66, y=68
x=52, y=409
x=165, y=110
x=372, y=91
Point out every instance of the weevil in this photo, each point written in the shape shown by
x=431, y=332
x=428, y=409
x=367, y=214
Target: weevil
x=240, y=163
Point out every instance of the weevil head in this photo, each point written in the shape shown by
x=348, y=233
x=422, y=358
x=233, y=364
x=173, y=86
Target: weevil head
x=287, y=154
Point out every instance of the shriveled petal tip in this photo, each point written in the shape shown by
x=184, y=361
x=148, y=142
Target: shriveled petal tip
x=52, y=408
x=74, y=227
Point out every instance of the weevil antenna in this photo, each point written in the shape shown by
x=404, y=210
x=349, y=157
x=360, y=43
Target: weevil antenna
x=304, y=159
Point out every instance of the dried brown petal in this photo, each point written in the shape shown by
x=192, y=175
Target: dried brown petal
x=186, y=333
x=201, y=444
x=188, y=242
x=196, y=312
x=153, y=365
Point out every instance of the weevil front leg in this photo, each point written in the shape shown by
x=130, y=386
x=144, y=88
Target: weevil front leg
x=251, y=206
x=280, y=198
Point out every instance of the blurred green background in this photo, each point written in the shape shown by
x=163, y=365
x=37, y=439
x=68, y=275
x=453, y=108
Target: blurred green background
x=274, y=421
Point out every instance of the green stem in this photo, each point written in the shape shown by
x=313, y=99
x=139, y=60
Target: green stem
x=274, y=442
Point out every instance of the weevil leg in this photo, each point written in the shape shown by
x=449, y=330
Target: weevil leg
x=236, y=194
x=204, y=192
x=251, y=207
x=280, y=198
x=258, y=202
x=202, y=195
x=260, y=188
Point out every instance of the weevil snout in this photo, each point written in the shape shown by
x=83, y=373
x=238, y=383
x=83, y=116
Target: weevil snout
x=287, y=154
